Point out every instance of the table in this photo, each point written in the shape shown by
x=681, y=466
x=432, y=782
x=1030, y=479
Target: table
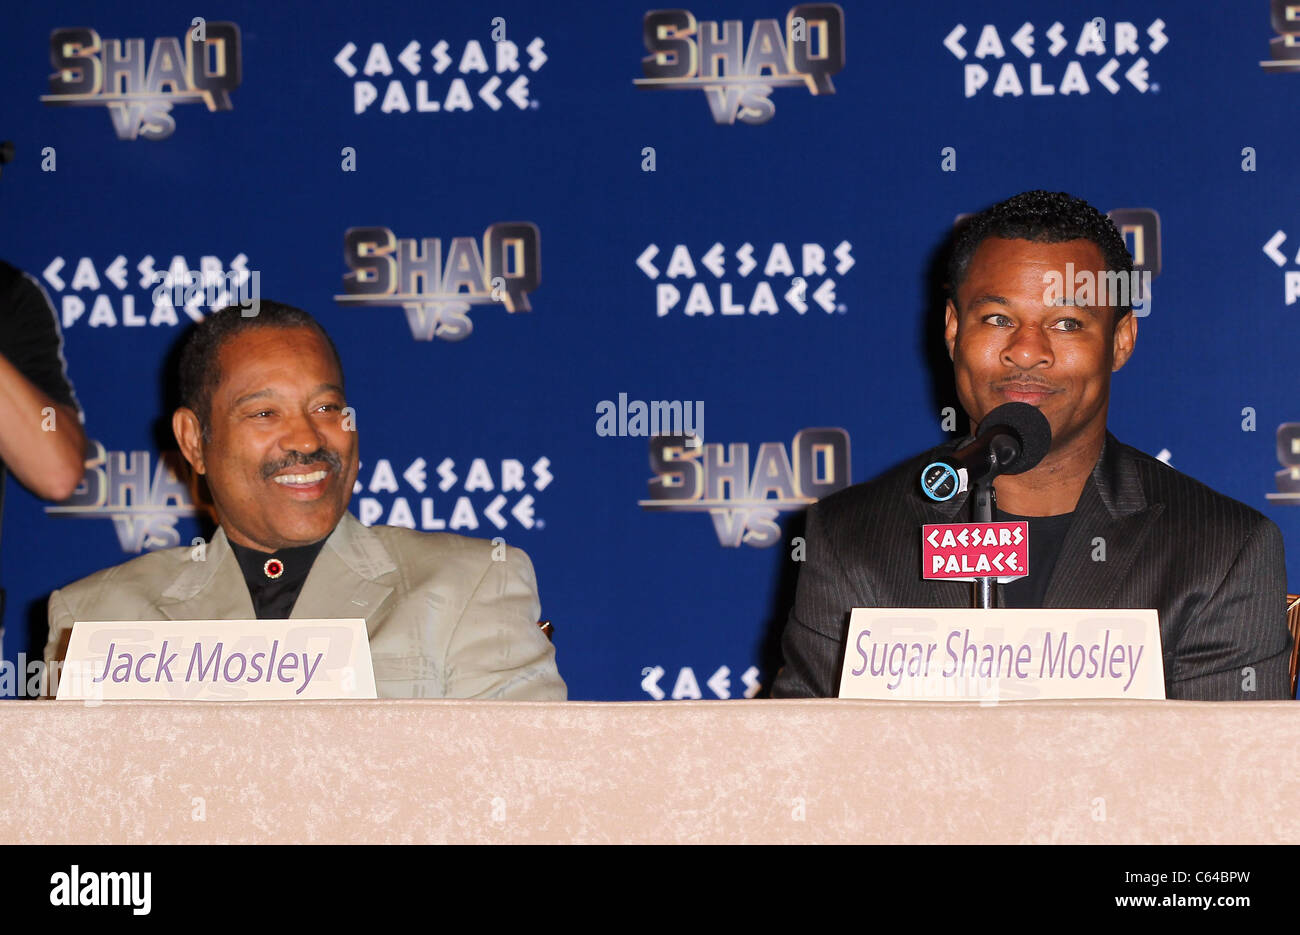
x=691, y=771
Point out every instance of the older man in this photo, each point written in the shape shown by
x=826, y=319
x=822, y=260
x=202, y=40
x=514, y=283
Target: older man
x=265, y=420
x=1212, y=567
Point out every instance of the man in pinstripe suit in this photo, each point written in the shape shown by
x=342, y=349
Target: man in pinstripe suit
x=1110, y=526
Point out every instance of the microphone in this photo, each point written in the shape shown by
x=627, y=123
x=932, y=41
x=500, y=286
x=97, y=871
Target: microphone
x=1013, y=438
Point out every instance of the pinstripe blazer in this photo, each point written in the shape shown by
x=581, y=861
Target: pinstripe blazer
x=1211, y=566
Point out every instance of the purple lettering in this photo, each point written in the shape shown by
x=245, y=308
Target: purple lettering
x=270, y=663
x=107, y=662
x=310, y=671
x=1116, y=657
x=1023, y=655
x=243, y=667
x=1076, y=659
x=1049, y=663
x=123, y=671
x=196, y=659
x=164, y=663
x=1133, y=665
x=861, y=652
x=139, y=676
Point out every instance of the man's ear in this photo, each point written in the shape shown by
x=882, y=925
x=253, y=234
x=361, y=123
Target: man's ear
x=950, y=327
x=185, y=425
x=1126, y=333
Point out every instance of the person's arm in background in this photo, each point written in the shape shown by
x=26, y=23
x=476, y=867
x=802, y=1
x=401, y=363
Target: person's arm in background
x=41, y=437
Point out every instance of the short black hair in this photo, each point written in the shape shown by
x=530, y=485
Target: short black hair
x=200, y=362
x=1042, y=217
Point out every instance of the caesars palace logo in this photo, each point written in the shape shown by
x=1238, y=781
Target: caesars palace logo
x=1057, y=59
x=738, y=76
x=120, y=293
x=742, y=497
x=436, y=291
x=138, y=89
x=463, y=496
x=145, y=494
x=1288, y=433
x=443, y=77
x=1290, y=277
x=793, y=279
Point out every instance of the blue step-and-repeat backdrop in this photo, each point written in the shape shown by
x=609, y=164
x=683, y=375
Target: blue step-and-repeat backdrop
x=539, y=231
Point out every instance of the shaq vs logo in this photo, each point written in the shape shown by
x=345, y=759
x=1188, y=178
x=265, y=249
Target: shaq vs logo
x=143, y=504
x=716, y=59
x=437, y=293
x=1104, y=49
x=139, y=90
x=1140, y=228
x=717, y=479
x=1284, y=51
x=1288, y=456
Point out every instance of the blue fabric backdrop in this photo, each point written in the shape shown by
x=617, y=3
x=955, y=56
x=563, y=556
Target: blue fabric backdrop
x=630, y=187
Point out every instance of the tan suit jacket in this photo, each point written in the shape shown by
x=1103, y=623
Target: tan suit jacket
x=445, y=620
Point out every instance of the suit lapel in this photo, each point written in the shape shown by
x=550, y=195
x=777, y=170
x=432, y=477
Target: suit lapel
x=1113, y=508
x=343, y=581
x=212, y=589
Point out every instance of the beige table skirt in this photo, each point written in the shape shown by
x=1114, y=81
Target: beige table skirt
x=737, y=771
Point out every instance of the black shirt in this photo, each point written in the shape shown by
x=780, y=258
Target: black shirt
x=274, y=579
x=1046, y=536
x=30, y=339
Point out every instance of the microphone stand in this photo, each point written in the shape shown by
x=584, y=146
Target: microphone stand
x=983, y=501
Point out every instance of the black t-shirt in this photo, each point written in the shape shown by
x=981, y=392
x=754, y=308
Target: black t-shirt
x=275, y=579
x=1046, y=536
x=30, y=337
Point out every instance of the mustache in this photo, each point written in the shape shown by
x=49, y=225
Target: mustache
x=1023, y=381
x=297, y=459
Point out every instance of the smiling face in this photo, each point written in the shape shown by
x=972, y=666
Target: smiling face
x=1009, y=345
x=279, y=462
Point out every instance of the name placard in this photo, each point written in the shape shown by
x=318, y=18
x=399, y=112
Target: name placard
x=217, y=660
x=933, y=654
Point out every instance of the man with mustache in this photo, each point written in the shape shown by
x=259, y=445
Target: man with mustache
x=1110, y=526
x=264, y=419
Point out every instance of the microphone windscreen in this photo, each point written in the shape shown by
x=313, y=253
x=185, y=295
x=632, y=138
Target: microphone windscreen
x=1027, y=424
